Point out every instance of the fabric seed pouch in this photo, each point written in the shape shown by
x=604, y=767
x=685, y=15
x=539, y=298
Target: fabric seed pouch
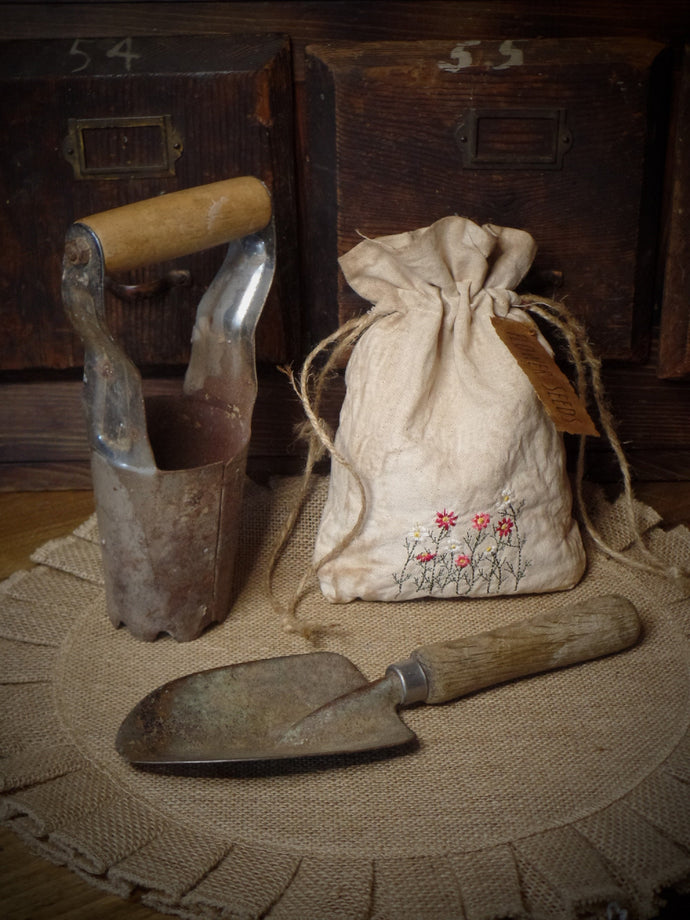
x=452, y=480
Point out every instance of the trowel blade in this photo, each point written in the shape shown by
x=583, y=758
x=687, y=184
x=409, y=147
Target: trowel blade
x=294, y=706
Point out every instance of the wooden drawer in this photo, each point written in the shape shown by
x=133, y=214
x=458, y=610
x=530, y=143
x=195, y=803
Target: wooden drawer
x=552, y=136
x=89, y=124
x=674, y=352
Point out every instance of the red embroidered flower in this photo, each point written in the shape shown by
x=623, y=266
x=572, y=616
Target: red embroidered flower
x=462, y=562
x=446, y=519
x=481, y=521
x=504, y=527
x=425, y=557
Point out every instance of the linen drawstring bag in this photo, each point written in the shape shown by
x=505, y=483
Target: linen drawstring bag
x=448, y=476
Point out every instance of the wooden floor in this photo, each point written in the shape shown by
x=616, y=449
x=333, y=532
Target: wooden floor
x=30, y=887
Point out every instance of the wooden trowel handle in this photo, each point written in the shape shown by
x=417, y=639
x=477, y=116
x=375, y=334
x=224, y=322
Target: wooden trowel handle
x=178, y=224
x=550, y=640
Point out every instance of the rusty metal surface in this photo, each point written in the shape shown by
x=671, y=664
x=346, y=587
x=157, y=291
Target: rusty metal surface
x=168, y=541
x=113, y=400
x=364, y=719
x=168, y=473
x=274, y=708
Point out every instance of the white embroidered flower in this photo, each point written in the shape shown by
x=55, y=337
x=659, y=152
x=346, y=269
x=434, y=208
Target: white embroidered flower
x=506, y=498
x=418, y=533
x=490, y=550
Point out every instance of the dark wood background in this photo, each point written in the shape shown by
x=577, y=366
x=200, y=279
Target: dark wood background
x=245, y=81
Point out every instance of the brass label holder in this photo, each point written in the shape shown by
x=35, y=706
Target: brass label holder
x=145, y=146
x=513, y=138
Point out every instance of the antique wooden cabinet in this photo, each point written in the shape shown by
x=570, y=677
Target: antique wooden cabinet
x=92, y=124
x=368, y=117
x=674, y=357
x=549, y=135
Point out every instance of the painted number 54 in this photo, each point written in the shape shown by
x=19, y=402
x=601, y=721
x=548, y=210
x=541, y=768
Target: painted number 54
x=122, y=50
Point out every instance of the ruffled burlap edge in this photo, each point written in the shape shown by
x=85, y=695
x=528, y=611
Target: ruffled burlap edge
x=71, y=813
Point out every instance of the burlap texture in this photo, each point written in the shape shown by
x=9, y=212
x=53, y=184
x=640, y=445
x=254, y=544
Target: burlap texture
x=547, y=798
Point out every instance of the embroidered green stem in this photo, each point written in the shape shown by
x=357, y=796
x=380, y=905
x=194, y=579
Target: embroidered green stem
x=487, y=552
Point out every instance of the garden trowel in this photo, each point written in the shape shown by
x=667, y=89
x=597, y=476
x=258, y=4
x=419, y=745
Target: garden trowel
x=320, y=703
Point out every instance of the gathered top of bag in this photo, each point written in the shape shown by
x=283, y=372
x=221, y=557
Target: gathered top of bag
x=453, y=251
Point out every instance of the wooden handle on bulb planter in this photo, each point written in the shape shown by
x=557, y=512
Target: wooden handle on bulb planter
x=556, y=639
x=180, y=223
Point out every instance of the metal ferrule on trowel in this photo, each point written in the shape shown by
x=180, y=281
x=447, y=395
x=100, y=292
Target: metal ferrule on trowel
x=168, y=471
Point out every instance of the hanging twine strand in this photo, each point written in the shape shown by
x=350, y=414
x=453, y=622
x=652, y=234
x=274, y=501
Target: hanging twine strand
x=309, y=386
x=588, y=371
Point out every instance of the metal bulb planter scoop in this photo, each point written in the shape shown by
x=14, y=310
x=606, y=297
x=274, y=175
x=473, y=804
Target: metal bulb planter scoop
x=168, y=471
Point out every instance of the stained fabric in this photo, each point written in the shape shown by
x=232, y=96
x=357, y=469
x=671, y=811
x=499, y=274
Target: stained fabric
x=463, y=471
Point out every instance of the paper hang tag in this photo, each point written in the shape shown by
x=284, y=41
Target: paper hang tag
x=564, y=406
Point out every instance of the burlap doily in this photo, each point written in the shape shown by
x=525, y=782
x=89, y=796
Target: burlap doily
x=550, y=797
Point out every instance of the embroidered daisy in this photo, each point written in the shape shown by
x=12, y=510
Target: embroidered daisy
x=446, y=519
x=418, y=533
x=425, y=557
x=505, y=499
x=481, y=521
x=462, y=561
x=504, y=527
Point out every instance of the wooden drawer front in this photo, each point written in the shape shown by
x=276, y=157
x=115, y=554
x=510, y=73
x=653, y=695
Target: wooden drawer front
x=91, y=124
x=674, y=348
x=550, y=136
